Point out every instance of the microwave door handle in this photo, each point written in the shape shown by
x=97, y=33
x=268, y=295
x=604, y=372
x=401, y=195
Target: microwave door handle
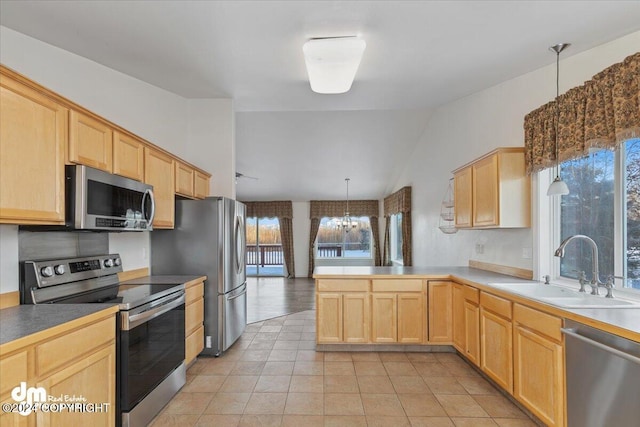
x=153, y=206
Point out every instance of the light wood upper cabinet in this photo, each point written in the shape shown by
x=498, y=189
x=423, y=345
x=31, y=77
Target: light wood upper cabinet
x=128, y=156
x=462, y=194
x=496, y=339
x=90, y=142
x=440, y=311
x=538, y=360
x=201, y=185
x=33, y=139
x=493, y=191
x=184, y=179
x=159, y=172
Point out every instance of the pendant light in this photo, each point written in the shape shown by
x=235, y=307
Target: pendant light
x=346, y=222
x=558, y=187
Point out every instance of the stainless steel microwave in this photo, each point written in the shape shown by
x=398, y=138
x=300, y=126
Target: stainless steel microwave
x=100, y=201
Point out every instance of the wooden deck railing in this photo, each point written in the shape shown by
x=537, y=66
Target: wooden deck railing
x=265, y=255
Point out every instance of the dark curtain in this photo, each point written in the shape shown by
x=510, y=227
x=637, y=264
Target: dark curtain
x=313, y=233
x=375, y=228
x=286, y=235
x=386, y=257
x=399, y=202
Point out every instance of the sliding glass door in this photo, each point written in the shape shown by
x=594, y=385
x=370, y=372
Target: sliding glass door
x=264, y=247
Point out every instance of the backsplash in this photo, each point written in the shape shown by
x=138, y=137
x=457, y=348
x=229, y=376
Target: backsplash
x=38, y=245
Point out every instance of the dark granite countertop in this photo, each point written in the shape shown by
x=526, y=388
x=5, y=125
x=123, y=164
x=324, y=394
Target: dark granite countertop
x=24, y=320
x=163, y=280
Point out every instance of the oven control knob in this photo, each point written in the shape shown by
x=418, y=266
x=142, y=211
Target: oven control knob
x=116, y=262
x=59, y=269
x=108, y=263
x=46, y=271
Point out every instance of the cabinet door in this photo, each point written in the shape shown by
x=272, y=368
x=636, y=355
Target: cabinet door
x=128, y=156
x=201, y=185
x=356, y=317
x=33, y=139
x=384, y=317
x=158, y=171
x=329, y=317
x=485, y=192
x=538, y=375
x=463, y=198
x=94, y=378
x=194, y=344
x=472, y=332
x=440, y=312
x=90, y=142
x=184, y=179
x=459, y=341
x=411, y=317
x=496, y=343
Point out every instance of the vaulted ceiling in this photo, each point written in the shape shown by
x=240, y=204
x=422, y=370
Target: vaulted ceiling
x=300, y=144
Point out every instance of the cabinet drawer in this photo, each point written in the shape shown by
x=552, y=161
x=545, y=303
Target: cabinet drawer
x=496, y=304
x=538, y=321
x=13, y=369
x=59, y=351
x=343, y=285
x=471, y=294
x=194, y=344
x=193, y=315
x=397, y=285
x=194, y=292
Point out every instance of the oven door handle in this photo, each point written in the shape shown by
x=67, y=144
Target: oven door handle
x=131, y=321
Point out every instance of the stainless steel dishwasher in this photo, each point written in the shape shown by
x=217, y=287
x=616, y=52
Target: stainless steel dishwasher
x=603, y=378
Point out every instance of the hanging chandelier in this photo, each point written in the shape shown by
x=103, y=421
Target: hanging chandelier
x=346, y=222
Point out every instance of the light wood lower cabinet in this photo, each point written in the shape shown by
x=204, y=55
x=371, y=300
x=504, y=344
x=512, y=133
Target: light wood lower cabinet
x=194, y=321
x=80, y=362
x=538, y=359
x=342, y=317
x=159, y=172
x=440, y=311
x=496, y=340
x=471, y=311
x=33, y=140
x=355, y=316
x=384, y=321
x=457, y=304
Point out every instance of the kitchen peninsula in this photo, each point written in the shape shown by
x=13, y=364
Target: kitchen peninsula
x=505, y=335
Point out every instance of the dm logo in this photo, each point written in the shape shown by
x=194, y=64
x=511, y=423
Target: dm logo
x=29, y=396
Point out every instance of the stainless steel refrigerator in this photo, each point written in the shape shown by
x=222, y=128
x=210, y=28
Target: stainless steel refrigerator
x=209, y=238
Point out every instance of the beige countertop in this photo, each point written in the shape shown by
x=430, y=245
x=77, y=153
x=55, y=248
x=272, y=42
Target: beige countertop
x=624, y=322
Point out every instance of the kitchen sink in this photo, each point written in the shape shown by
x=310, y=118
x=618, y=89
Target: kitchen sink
x=563, y=297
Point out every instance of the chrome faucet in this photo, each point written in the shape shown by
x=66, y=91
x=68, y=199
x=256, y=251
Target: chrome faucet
x=595, y=278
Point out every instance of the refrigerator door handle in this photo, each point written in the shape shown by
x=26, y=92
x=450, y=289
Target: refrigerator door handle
x=237, y=296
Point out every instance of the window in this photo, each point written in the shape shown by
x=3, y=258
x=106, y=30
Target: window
x=604, y=204
x=264, y=254
x=395, y=238
x=335, y=242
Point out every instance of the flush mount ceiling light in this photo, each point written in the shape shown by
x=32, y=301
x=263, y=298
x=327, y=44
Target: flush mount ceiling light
x=332, y=62
x=558, y=187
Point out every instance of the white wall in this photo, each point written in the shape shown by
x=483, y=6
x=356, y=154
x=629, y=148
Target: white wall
x=301, y=226
x=460, y=131
x=155, y=114
x=212, y=145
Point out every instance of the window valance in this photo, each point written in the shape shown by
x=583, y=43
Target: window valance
x=272, y=209
x=400, y=201
x=603, y=112
x=336, y=208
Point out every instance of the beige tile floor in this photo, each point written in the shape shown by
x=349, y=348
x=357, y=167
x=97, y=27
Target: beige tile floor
x=273, y=377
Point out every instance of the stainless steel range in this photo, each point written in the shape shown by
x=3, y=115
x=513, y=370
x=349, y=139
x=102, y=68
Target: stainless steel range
x=150, y=340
